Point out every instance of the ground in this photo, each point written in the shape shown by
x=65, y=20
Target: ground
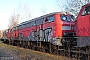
x=6, y=54
x=9, y=52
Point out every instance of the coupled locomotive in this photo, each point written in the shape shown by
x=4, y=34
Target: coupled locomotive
x=83, y=33
x=83, y=26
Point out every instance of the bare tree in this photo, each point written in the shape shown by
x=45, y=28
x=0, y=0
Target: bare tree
x=73, y=6
x=23, y=14
x=14, y=20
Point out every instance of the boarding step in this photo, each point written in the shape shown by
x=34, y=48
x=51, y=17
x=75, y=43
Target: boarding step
x=60, y=48
x=38, y=43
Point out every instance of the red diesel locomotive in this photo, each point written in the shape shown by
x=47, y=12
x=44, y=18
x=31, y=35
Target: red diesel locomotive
x=83, y=26
x=42, y=31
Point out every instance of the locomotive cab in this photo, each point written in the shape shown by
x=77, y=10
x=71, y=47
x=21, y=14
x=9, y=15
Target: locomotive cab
x=68, y=25
x=65, y=27
x=83, y=26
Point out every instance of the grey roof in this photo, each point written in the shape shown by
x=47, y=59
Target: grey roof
x=41, y=17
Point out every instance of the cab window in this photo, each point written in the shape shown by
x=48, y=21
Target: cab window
x=86, y=11
x=65, y=17
x=49, y=19
x=72, y=18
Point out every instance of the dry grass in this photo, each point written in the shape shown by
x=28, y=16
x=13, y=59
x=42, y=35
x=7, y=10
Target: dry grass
x=28, y=54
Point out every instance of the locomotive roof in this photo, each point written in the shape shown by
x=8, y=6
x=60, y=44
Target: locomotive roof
x=46, y=16
x=41, y=17
x=51, y=14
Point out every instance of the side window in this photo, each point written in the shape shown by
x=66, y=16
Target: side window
x=17, y=27
x=40, y=21
x=27, y=25
x=32, y=23
x=86, y=10
x=49, y=19
x=20, y=27
x=24, y=25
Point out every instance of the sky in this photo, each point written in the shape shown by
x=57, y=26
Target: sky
x=7, y=8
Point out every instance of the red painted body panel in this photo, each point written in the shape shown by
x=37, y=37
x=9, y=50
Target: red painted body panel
x=83, y=23
x=8, y=33
x=25, y=32
x=58, y=25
